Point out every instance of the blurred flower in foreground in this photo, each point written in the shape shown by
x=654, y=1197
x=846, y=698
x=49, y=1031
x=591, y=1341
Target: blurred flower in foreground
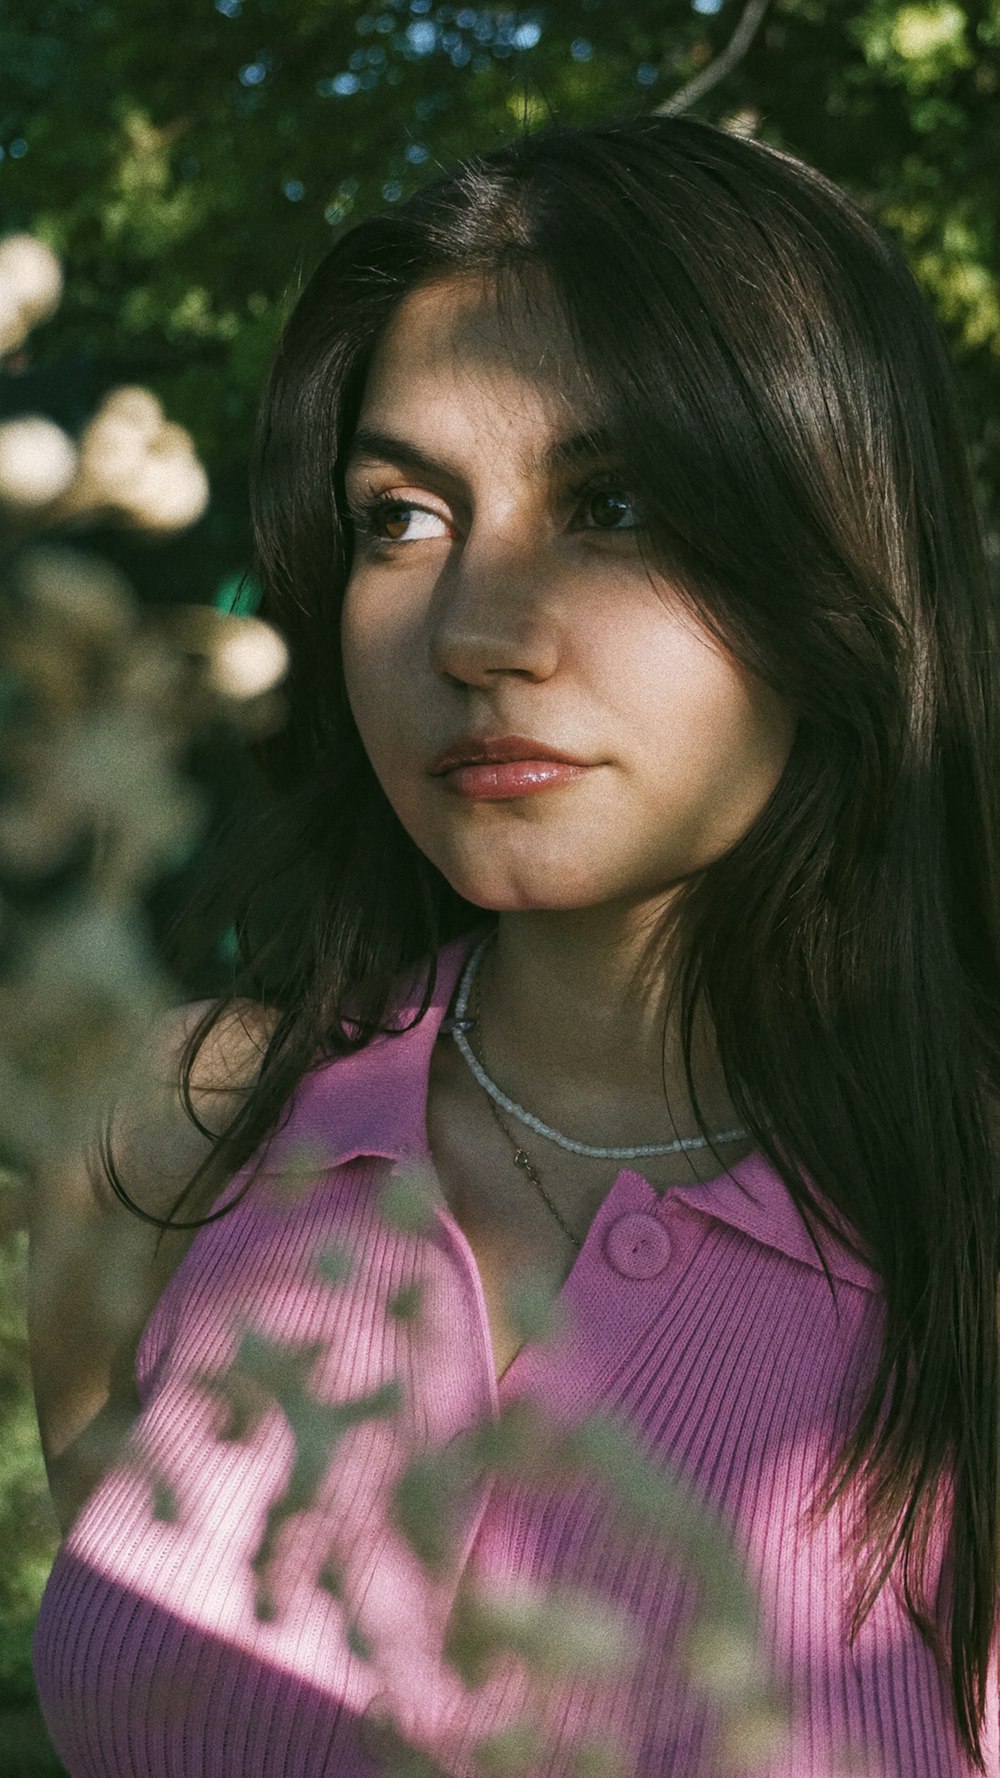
x=101, y=702
x=132, y=465
x=244, y=656
x=37, y=462
x=31, y=284
x=100, y=699
x=136, y=464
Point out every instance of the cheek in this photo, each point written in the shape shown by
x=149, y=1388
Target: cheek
x=751, y=740
x=718, y=737
x=369, y=663
x=381, y=622
x=379, y=659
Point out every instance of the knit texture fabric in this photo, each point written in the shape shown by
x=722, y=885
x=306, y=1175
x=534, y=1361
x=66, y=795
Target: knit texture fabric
x=701, y=1320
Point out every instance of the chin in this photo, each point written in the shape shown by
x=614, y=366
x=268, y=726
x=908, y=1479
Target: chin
x=499, y=903
x=518, y=898
x=508, y=880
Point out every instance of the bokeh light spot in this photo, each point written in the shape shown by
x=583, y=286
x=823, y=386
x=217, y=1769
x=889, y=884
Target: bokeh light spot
x=421, y=36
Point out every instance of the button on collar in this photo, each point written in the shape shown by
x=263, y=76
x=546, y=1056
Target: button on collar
x=637, y=1246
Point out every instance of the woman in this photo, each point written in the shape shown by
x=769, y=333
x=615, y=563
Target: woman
x=637, y=804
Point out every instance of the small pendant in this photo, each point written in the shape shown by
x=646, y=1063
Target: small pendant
x=521, y=1159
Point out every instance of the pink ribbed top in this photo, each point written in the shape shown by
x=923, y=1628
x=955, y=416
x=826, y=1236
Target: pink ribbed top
x=701, y=1318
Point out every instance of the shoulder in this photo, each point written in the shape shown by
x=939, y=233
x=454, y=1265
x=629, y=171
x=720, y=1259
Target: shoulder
x=155, y=1141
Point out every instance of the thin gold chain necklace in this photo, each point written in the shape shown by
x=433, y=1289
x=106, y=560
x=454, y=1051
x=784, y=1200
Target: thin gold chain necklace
x=521, y=1158
x=460, y=1026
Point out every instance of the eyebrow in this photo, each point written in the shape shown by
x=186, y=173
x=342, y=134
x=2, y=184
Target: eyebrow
x=562, y=454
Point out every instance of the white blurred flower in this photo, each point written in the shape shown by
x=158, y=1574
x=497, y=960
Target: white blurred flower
x=13, y=327
x=31, y=283
x=32, y=270
x=37, y=462
x=248, y=660
x=132, y=405
x=139, y=465
x=171, y=489
x=113, y=448
x=241, y=657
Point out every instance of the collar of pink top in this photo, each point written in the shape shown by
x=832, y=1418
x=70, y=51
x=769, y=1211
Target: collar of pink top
x=374, y=1103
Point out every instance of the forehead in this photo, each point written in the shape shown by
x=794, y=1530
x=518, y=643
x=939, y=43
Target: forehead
x=462, y=347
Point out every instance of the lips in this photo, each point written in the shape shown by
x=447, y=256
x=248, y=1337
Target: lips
x=498, y=750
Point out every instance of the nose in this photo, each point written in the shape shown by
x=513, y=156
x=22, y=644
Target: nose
x=493, y=613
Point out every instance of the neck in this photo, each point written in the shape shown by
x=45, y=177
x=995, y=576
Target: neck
x=575, y=1023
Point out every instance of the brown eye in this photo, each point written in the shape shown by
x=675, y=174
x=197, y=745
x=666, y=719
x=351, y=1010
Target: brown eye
x=393, y=521
x=607, y=507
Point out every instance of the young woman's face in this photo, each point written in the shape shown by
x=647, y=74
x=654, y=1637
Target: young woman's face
x=500, y=591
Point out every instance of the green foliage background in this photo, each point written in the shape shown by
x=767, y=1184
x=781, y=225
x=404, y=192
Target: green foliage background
x=190, y=163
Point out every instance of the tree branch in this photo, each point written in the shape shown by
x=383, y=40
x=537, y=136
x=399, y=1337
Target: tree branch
x=751, y=19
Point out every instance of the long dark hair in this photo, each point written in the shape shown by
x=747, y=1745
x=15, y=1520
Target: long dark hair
x=784, y=410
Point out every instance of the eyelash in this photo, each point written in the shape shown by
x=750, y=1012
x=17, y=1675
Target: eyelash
x=365, y=514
